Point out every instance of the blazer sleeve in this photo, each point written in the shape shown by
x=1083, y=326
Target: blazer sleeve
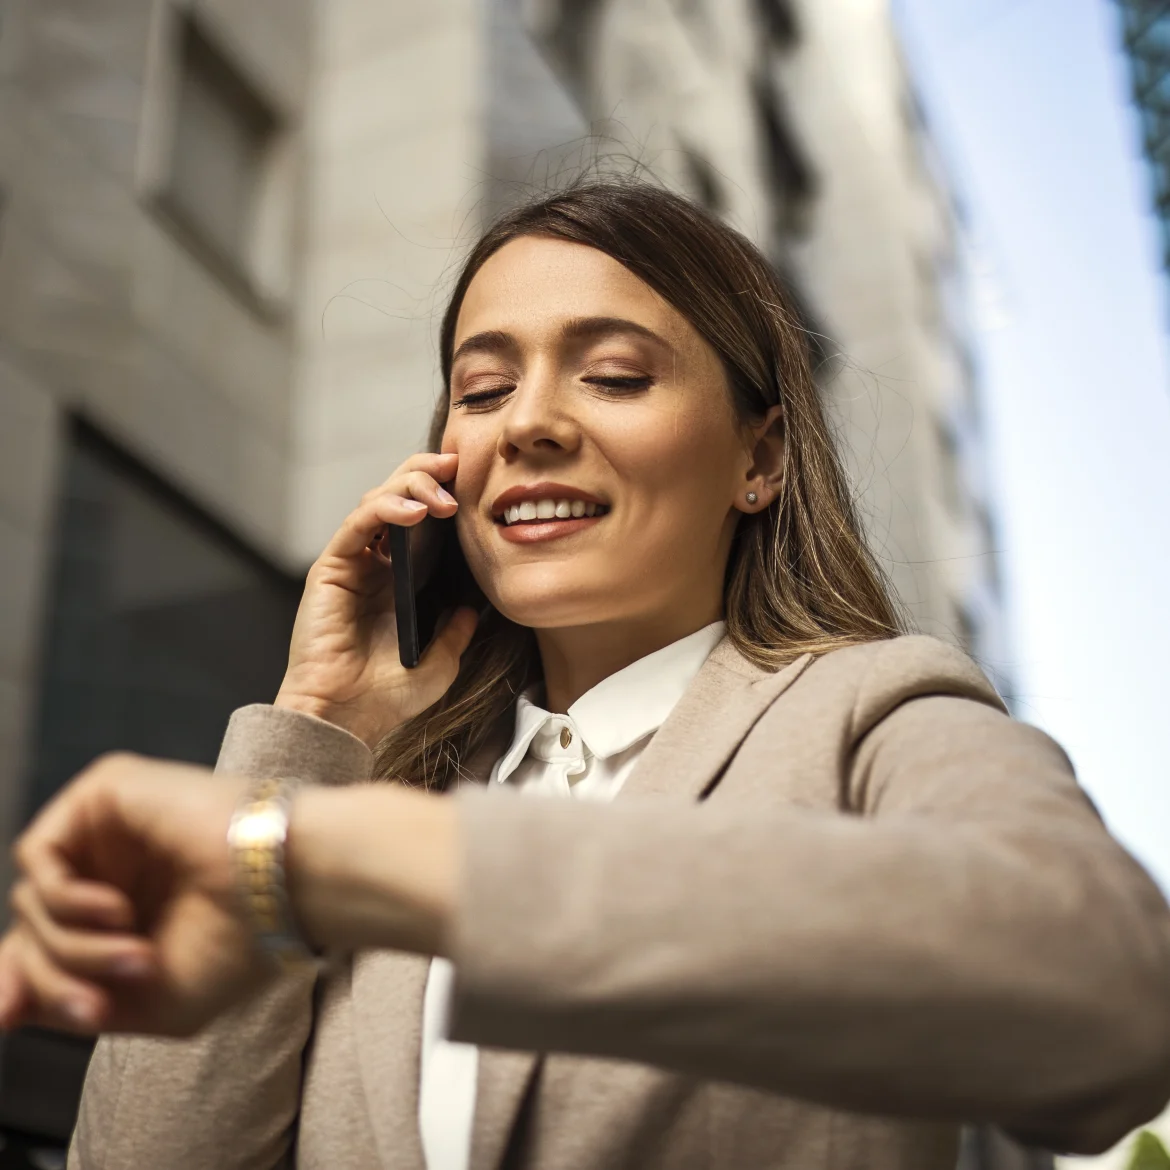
x=228, y=1097
x=963, y=940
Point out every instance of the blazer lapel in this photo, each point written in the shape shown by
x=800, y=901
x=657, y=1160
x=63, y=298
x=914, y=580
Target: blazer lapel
x=387, y=1005
x=388, y=989
x=690, y=750
x=504, y=1077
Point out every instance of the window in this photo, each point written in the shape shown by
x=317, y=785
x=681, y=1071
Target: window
x=966, y=629
x=791, y=176
x=778, y=20
x=989, y=543
x=824, y=355
x=950, y=471
x=703, y=181
x=159, y=623
x=218, y=165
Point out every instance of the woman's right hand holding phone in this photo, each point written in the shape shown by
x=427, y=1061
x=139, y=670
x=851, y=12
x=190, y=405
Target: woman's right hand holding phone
x=343, y=660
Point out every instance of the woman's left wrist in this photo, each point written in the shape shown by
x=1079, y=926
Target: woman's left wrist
x=390, y=884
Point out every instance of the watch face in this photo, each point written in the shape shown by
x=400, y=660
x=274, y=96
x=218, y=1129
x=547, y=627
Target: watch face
x=256, y=837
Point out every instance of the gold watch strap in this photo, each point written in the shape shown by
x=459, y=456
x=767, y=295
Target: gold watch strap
x=258, y=838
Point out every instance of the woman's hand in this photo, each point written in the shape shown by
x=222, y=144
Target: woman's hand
x=127, y=917
x=343, y=661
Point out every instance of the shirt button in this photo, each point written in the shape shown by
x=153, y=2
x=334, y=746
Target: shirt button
x=566, y=737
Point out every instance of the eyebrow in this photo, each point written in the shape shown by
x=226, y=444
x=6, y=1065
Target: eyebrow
x=493, y=341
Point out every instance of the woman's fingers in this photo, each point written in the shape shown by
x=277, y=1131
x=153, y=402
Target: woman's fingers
x=93, y=905
x=69, y=899
x=447, y=647
x=85, y=953
x=14, y=999
x=439, y=467
x=47, y=995
x=405, y=501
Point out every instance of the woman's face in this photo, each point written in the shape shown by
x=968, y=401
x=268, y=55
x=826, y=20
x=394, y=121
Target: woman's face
x=576, y=390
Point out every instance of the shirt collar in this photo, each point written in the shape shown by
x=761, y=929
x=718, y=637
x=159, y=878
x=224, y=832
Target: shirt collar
x=623, y=708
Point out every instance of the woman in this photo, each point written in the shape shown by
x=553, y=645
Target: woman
x=843, y=904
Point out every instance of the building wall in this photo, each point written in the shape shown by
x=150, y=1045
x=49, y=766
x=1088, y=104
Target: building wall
x=107, y=310
x=394, y=140
x=875, y=262
x=797, y=122
x=275, y=391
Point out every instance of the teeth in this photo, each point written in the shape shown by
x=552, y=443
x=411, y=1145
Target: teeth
x=551, y=510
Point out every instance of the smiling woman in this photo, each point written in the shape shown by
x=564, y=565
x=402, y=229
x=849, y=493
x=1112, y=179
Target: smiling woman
x=799, y=893
x=671, y=379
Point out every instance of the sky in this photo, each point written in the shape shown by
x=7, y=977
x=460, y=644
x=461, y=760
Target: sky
x=1029, y=102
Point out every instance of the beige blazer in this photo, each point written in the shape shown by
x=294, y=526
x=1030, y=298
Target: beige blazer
x=836, y=911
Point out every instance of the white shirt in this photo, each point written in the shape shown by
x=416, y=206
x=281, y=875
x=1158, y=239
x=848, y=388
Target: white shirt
x=587, y=753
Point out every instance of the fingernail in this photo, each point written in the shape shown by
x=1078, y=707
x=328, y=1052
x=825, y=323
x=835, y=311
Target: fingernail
x=80, y=1011
x=132, y=966
x=446, y=496
x=414, y=505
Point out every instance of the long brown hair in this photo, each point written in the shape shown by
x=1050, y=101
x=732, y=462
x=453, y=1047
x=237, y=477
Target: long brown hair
x=799, y=579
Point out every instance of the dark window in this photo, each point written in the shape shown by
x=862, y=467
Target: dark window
x=704, y=181
x=779, y=21
x=990, y=547
x=823, y=354
x=159, y=623
x=790, y=173
x=950, y=470
x=221, y=140
x=966, y=629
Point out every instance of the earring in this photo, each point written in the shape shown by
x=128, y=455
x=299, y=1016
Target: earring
x=752, y=497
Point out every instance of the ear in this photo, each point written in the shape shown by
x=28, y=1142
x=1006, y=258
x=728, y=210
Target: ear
x=765, y=473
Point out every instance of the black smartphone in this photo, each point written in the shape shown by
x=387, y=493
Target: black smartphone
x=417, y=599
x=405, y=604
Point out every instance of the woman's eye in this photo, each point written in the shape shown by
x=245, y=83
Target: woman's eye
x=481, y=397
x=620, y=383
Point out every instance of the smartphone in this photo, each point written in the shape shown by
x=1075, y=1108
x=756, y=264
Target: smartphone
x=430, y=576
x=405, y=596
x=418, y=598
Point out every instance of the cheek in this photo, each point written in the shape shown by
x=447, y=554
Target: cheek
x=684, y=455
x=475, y=447
x=476, y=450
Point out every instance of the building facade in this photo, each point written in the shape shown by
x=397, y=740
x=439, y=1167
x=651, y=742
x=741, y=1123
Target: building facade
x=1145, y=27
x=797, y=122
x=226, y=231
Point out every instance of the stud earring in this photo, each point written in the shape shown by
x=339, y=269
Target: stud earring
x=752, y=497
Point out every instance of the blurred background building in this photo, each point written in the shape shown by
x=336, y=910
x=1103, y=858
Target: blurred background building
x=1146, y=33
x=226, y=231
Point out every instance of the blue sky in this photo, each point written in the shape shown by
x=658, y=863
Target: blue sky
x=1029, y=101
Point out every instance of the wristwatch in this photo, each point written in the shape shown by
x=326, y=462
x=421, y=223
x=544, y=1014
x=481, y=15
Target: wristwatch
x=258, y=838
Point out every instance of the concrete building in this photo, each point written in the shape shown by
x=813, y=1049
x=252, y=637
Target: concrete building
x=225, y=235
x=799, y=123
x=1145, y=29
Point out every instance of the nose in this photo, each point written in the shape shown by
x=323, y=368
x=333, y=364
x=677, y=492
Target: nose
x=536, y=420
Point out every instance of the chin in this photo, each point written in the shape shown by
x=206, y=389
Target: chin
x=544, y=600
